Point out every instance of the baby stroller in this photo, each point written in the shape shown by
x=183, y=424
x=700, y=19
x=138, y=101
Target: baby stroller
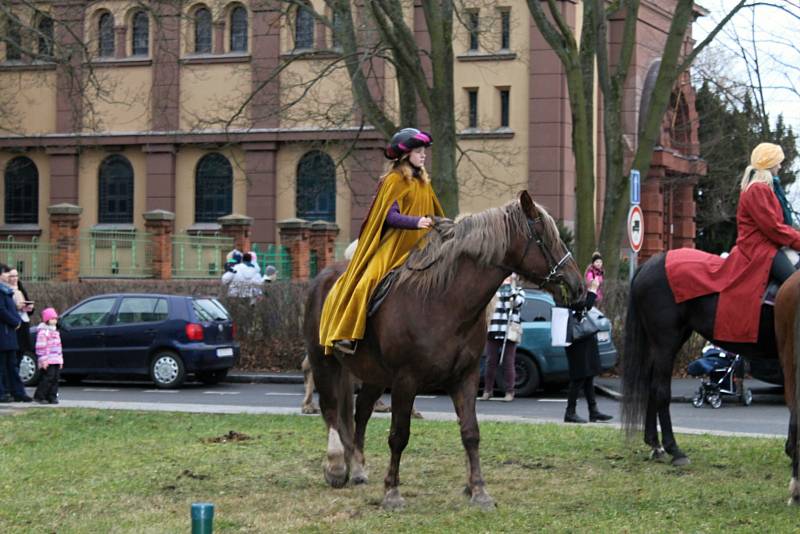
x=717, y=369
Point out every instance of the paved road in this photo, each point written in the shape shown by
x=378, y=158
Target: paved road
x=759, y=419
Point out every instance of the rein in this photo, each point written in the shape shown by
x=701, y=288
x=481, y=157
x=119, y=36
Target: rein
x=555, y=266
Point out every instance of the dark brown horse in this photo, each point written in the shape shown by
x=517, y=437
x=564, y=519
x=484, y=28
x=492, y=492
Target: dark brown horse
x=655, y=330
x=657, y=327
x=429, y=333
x=787, y=333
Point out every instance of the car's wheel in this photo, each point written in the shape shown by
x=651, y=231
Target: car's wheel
x=212, y=377
x=167, y=370
x=28, y=370
x=527, y=380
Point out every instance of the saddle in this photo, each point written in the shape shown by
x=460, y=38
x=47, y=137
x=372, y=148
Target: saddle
x=773, y=285
x=381, y=291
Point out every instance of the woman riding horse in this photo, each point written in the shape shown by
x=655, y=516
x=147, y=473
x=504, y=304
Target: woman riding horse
x=764, y=225
x=399, y=216
x=688, y=290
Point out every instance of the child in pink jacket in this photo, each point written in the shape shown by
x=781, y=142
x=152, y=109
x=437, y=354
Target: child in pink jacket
x=51, y=359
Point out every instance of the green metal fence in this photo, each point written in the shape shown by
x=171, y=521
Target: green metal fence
x=196, y=256
x=276, y=256
x=33, y=259
x=111, y=254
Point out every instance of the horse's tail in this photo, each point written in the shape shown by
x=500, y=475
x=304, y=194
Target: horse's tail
x=636, y=365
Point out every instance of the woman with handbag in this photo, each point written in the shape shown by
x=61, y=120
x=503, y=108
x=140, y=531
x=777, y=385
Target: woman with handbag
x=583, y=358
x=504, y=334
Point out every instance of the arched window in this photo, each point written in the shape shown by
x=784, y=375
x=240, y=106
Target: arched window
x=13, y=40
x=22, y=192
x=213, y=188
x=304, y=28
x=140, y=45
x=116, y=191
x=105, y=32
x=316, y=187
x=202, y=31
x=45, y=37
x=239, y=29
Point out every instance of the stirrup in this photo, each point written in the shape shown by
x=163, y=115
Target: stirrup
x=345, y=346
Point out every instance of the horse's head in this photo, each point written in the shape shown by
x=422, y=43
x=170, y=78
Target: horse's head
x=537, y=252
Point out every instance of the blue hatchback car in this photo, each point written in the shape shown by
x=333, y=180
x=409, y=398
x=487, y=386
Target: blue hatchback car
x=538, y=362
x=165, y=337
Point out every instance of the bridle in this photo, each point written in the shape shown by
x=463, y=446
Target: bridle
x=555, y=266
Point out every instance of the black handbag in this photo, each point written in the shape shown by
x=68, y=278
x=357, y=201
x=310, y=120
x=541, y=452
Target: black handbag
x=586, y=327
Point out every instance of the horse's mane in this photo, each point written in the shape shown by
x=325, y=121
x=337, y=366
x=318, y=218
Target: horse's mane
x=483, y=236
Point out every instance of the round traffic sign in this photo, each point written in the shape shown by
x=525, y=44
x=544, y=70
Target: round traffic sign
x=636, y=228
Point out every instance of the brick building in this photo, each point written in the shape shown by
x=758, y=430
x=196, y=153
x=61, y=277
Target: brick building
x=177, y=110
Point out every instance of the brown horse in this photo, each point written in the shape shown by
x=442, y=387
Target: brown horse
x=429, y=333
x=787, y=331
x=656, y=328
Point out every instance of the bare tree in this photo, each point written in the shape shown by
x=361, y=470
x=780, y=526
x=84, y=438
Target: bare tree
x=578, y=60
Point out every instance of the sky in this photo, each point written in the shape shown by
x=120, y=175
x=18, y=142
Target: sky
x=773, y=41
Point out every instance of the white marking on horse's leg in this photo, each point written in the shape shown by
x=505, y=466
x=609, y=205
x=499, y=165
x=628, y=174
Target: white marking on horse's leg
x=794, y=492
x=335, y=467
x=335, y=447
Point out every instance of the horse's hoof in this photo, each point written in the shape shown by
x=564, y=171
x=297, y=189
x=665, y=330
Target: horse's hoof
x=680, y=461
x=483, y=501
x=310, y=409
x=359, y=477
x=393, y=500
x=337, y=478
x=658, y=454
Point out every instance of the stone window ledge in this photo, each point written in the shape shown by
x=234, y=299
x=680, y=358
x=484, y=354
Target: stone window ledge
x=475, y=133
x=501, y=55
x=208, y=59
x=311, y=54
x=133, y=61
x=204, y=229
x=114, y=227
x=20, y=229
x=20, y=65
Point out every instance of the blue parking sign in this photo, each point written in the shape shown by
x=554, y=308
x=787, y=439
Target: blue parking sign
x=635, y=187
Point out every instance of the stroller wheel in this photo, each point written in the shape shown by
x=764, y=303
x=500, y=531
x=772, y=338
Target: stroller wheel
x=715, y=401
x=747, y=397
x=697, y=401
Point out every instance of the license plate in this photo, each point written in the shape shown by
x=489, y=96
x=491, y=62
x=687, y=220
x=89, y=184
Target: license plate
x=224, y=352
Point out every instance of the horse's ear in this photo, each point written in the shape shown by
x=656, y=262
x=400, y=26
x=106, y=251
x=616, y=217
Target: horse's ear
x=527, y=204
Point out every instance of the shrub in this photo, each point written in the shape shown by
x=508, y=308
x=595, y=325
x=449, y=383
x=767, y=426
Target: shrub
x=269, y=331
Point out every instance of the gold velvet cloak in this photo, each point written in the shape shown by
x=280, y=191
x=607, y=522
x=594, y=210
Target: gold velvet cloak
x=344, y=314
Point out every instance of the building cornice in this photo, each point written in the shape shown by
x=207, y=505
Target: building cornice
x=286, y=135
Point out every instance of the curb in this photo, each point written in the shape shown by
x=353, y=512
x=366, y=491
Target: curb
x=265, y=378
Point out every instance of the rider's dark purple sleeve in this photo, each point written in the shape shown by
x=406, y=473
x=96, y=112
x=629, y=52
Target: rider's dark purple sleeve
x=395, y=219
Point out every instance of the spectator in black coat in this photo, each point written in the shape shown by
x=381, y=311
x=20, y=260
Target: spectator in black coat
x=583, y=358
x=11, y=387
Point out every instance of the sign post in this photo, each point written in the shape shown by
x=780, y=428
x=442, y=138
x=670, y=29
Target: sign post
x=635, y=222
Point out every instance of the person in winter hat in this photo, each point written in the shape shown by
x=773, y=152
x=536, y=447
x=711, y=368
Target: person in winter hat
x=50, y=357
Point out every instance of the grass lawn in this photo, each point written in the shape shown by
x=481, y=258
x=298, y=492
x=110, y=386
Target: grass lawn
x=97, y=471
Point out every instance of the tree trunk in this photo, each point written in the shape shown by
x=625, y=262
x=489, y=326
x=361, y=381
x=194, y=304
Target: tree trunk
x=615, y=205
x=583, y=149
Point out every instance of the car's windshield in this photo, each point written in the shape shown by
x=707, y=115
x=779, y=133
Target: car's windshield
x=209, y=310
